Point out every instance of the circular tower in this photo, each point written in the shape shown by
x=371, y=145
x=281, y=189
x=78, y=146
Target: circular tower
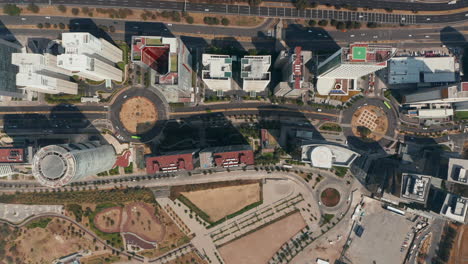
x=58, y=165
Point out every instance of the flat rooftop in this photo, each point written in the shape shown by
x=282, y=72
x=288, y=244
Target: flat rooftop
x=421, y=69
x=458, y=171
x=11, y=155
x=415, y=187
x=455, y=207
x=365, y=53
x=255, y=67
x=216, y=66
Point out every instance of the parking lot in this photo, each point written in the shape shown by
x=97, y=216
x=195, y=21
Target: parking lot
x=383, y=235
x=16, y=213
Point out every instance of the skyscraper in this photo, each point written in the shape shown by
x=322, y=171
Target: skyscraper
x=351, y=63
x=90, y=57
x=7, y=70
x=58, y=165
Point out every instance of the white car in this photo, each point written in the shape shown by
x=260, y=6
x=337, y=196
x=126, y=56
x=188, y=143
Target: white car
x=23, y=18
x=375, y=36
x=352, y=36
x=47, y=17
x=320, y=110
x=410, y=35
x=428, y=19
x=125, y=96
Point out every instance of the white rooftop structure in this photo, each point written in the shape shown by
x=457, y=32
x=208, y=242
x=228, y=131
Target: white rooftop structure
x=40, y=73
x=421, y=70
x=327, y=155
x=88, y=67
x=87, y=44
x=435, y=113
x=455, y=208
x=359, y=59
x=255, y=73
x=445, y=94
x=415, y=187
x=457, y=171
x=90, y=57
x=217, y=72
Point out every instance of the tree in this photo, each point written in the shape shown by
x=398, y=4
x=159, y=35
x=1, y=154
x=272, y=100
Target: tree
x=372, y=25
x=75, y=11
x=47, y=25
x=33, y=8
x=62, y=8
x=225, y=21
x=189, y=19
x=323, y=23
x=40, y=25
x=85, y=9
x=356, y=25
x=334, y=22
x=301, y=4
x=363, y=131
x=340, y=25
x=11, y=10
x=312, y=23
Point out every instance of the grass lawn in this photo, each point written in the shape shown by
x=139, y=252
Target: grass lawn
x=42, y=223
x=340, y=171
x=331, y=127
x=173, y=62
x=460, y=115
x=327, y=218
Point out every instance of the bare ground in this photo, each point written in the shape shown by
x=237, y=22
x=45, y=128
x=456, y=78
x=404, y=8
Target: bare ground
x=260, y=246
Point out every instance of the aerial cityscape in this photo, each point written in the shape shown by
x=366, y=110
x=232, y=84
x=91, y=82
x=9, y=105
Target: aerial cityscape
x=234, y=131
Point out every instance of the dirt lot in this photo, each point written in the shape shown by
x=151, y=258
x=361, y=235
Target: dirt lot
x=376, y=121
x=220, y=202
x=43, y=245
x=459, y=252
x=260, y=246
x=330, y=197
x=424, y=249
x=191, y=257
x=142, y=221
x=138, y=115
x=108, y=220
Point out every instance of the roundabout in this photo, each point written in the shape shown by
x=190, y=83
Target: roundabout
x=369, y=125
x=138, y=115
x=330, y=197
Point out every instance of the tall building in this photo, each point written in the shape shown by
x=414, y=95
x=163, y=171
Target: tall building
x=90, y=57
x=170, y=61
x=351, y=63
x=8, y=71
x=217, y=72
x=421, y=70
x=255, y=73
x=455, y=208
x=40, y=73
x=415, y=187
x=295, y=75
x=58, y=165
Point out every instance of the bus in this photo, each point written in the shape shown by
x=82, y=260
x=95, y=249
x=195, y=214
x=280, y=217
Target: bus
x=387, y=105
x=136, y=137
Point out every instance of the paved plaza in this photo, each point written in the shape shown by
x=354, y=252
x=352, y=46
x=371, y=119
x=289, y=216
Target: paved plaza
x=16, y=213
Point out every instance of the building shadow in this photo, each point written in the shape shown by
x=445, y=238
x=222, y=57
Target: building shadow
x=452, y=38
x=134, y=28
x=7, y=35
x=315, y=39
x=63, y=123
x=88, y=25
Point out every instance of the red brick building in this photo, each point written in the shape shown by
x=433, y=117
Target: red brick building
x=227, y=156
x=170, y=162
x=12, y=155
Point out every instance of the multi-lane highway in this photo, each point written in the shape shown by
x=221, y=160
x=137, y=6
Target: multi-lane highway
x=272, y=11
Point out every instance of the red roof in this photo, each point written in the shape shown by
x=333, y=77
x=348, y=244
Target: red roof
x=234, y=158
x=156, y=57
x=168, y=163
x=11, y=155
x=297, y=68
x=464, y=86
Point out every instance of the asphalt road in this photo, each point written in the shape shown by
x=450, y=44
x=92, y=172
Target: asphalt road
x=278, y=12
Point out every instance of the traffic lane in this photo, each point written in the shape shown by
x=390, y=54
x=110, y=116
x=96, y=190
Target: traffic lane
x=41, y=108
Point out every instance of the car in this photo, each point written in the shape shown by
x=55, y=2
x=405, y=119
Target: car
x=375, y=36
x=352, y=36
x=47, y=17
x=207, y=10
x=169, y=24
x=125, y=96
x=428, y=19
x=319, y=110
x=310, y=31
x=426, y=36
x=410, y=35
x=23, y=18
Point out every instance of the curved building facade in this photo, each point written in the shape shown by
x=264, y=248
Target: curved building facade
x=327, y=155
x=58, y=165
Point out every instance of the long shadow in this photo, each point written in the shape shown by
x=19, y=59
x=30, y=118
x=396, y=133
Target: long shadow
x=7, y=35
x=63, y=123
x=452, y=38
x=317, y=39
x=88, y=25
x=133, y=28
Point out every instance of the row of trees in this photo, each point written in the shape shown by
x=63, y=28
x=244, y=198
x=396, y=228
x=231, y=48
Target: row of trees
x=340, y=25
x=215, y=21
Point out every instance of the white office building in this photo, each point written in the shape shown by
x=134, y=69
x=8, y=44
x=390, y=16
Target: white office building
x=404, y=70
x=40, y=73
x=351, y=63
x=90, y=57
x=255, y=73
x=217, y=72
x=458, y=171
